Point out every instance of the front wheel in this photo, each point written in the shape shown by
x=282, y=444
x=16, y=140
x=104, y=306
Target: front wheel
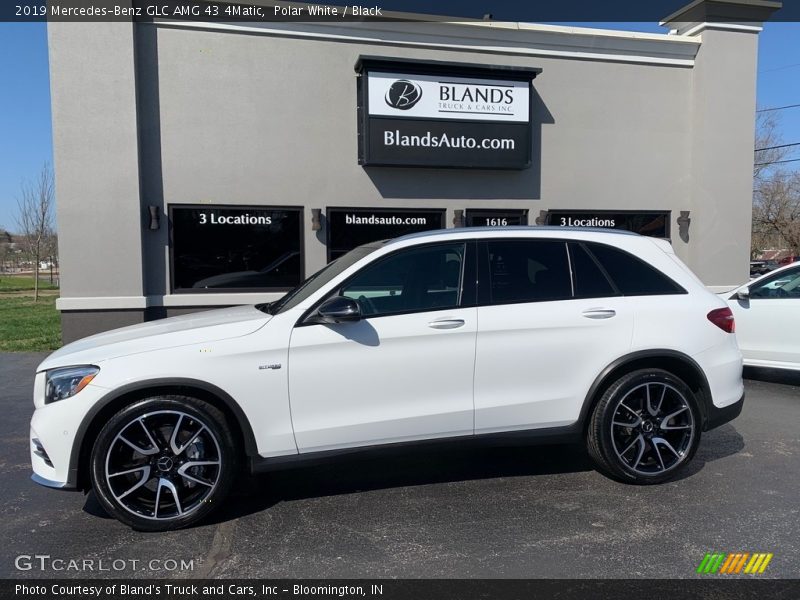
x=645, y=428
x=163, y=463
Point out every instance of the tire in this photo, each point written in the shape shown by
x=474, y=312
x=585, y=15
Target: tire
x=158, y=448
x=640, y=443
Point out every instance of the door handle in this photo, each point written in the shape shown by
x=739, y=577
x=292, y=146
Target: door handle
x=446, y=323
x=599, y=313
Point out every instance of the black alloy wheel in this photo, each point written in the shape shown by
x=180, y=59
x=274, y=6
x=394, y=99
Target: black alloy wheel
x=645, y=428
x=163, y=462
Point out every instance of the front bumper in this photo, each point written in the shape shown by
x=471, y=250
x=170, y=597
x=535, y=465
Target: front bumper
x=720, y=416
x=55, y=429
x=57, y=485
x=46, y=472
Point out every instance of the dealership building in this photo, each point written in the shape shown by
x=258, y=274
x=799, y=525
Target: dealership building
x=201, y=164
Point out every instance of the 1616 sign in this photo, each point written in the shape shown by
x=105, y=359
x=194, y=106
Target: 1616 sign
x=444, y=115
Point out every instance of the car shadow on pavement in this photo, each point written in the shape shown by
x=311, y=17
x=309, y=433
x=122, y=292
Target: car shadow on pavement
x=374, y=470
x=389, y=468
x=782, y=376
x=715, y=444
x=419, y=467
x=404, y=467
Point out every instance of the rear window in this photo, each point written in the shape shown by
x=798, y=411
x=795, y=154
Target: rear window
x=632, y=276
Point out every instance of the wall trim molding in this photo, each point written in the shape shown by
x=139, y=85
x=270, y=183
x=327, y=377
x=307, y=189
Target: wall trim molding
x=736, y=27
x=224, y=299
x=519, y=39
x=102, y=303
x=169, y=301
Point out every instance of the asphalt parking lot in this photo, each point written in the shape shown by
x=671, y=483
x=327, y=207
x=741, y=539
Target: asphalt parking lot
x=490, y=512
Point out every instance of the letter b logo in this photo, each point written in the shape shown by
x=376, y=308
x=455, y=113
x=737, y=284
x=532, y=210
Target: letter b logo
x=403, y=94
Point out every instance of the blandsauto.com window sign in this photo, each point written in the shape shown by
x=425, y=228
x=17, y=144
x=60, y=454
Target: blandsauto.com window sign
x=444, y=115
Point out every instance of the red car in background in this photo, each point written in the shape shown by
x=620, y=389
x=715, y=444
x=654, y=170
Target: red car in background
x=788, y=260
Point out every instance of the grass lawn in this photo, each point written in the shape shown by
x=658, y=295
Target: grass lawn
x=28, y=326
x=23, y=283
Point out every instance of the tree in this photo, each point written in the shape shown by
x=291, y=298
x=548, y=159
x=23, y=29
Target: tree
x=776, y=191
x=5, y=248
x=777, y=208
x=51, y=251
x=767, y=147
x=35, y=219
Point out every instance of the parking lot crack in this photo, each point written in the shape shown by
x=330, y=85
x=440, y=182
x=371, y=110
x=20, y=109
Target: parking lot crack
x=219, y=552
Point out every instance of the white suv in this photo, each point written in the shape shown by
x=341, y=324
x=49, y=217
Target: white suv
x=565, y=335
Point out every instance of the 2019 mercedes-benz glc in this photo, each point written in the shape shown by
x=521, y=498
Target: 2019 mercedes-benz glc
x=556, y=334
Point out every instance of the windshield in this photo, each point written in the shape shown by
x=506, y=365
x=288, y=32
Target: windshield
x=319, y=279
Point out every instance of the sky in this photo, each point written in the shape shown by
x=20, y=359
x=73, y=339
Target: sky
x=26, y=135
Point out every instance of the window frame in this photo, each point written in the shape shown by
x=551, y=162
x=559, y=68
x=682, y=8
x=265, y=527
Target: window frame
x=232, y=290
x=484, y=275
x=476, y=269
x=467, y=295
x=551, y=217
x=680, y=291
x=570, y=245
x=437, y=212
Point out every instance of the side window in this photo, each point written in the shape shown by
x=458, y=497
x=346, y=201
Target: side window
x=528, y=271
x=417, y=279
x=785, y=284
x=632, y=276
x=590, y=281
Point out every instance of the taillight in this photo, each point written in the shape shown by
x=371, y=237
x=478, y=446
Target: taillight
x=723, y=318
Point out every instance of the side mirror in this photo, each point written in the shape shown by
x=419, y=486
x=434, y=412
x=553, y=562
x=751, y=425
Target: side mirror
x=337, y=310
x=743, y=294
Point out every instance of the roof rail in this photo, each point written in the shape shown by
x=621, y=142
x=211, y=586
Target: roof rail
x=528, y=228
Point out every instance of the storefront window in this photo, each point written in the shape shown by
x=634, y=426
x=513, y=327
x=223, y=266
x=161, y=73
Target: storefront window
x=223, y=248
x=654, y=223
x=496, y=218
x=349, y=227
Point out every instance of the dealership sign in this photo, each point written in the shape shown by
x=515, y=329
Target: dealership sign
x=442, y=97
x=351, y=227
x=654, y=223
x=444, y=115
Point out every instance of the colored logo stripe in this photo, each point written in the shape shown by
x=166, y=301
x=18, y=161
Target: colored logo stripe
x=737, y=562
x=734, y=563
x=710, y=563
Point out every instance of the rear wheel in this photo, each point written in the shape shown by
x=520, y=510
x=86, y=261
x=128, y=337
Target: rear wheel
x=163, y=463
x=645, y=428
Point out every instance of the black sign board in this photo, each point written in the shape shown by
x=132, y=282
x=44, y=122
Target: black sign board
x=352, y=227
x=431, y=114
x=223, y=248
x=495, y=218
x=654, y=223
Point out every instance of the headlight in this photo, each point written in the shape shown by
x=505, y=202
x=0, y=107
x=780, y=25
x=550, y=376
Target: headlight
x=67, y=381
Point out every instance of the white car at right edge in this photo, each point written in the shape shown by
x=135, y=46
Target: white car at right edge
x=767, y=312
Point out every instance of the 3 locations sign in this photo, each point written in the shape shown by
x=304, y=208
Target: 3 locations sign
x=443, y=115
x=216, y=248
x=654, y=223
